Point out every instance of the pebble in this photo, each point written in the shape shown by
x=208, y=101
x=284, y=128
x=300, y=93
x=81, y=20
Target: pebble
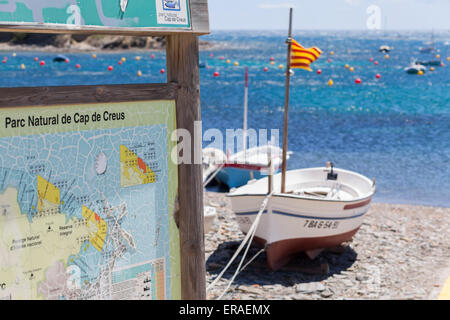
x=309, y=287
x=326, y=294
x=396, y=254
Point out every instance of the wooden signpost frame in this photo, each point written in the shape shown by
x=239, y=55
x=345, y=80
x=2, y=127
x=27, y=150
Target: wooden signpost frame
x=183, y=86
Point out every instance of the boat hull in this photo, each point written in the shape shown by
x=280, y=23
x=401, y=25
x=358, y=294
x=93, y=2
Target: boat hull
x=312, y=225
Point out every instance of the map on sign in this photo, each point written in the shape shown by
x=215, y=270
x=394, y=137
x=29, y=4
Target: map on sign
x=86, y=202
x=99, y=13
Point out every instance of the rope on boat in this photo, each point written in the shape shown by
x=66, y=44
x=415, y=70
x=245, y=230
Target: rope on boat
x=248, y=238
x=213, y=175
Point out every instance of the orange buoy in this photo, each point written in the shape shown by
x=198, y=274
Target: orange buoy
x=139, y=73
x=319, y=71
x=347, y=66
x=357, y=80
x=22, y=66
x=110, y=68
x=216, y=74
x=236, y=63
x=431, y=68
x=352, y=69
x=123, y=59
x=281, y=66
x=332, y=53
x=42, y=63
x=162, y=71
x=438, y=56
x=138, y=58
x=378, y=76
x=94, y=56
x=420, y=72
x=386, y=56
x=330, y=82
x=228, y=61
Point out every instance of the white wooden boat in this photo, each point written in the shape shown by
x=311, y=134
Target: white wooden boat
x=314, y=213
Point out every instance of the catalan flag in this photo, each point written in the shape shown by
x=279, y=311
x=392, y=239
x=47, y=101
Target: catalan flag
x=302, y=57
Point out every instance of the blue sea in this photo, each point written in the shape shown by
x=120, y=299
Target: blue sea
x=395, y=129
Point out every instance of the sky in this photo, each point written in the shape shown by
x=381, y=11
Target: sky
x=330, y=14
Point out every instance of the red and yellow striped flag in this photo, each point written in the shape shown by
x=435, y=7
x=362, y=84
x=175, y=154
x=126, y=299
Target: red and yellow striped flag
x=302, y=57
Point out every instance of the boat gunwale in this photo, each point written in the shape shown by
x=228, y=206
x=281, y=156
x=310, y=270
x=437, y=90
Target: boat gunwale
x=285, y=195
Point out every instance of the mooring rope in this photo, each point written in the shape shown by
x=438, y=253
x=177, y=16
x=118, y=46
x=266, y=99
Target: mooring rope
x=249, y=236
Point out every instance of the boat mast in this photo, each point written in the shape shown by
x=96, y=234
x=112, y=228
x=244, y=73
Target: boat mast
x=286, y=104
x=245, y=112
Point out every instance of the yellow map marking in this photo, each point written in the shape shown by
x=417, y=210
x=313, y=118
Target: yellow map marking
x=97, y=227
x=133, y=170
x=46, y=191
x=445, y=292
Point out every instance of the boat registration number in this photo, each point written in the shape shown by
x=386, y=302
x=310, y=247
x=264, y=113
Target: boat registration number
x=320, y=224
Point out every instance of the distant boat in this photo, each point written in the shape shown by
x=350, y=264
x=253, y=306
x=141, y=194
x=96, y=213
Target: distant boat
x=415, y=69
x=430, y=48
x=429, y=63
x=202, y=65
x=60, y=58
x=385, y=49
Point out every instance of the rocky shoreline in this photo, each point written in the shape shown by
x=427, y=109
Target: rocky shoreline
x=82, y=43
x=399, y=252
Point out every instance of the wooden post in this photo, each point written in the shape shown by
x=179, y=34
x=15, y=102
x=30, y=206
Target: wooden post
x=286, y=106
x=182, y=69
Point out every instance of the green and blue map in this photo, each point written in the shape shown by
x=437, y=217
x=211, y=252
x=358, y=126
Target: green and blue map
x=86, y=202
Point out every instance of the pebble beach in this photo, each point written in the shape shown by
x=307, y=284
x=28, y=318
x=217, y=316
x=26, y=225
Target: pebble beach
x=400, y=252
